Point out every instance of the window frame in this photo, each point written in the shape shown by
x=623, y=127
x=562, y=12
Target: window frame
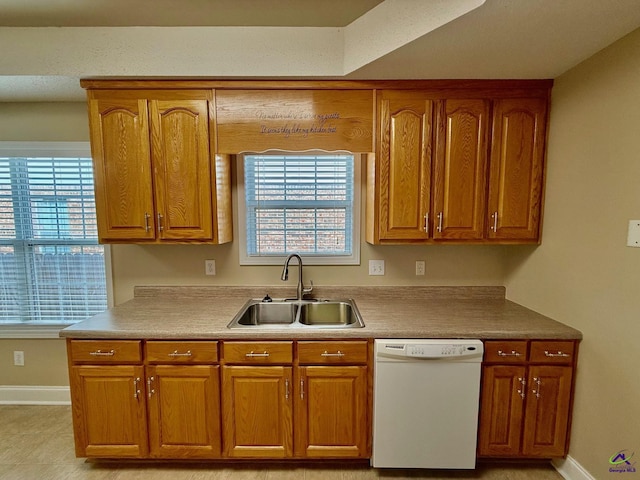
x=52, y=150
x=245, y=259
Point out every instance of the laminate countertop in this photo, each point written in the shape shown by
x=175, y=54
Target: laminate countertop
x=388, y=312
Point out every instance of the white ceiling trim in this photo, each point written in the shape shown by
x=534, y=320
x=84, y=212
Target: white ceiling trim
x=395, y=23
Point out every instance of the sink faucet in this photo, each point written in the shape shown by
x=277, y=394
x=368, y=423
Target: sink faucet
x=300, y=290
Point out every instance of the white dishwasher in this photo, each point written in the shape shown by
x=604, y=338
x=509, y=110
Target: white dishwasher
x=425, y=403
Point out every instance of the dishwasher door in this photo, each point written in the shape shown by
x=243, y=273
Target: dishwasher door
x=426, y=398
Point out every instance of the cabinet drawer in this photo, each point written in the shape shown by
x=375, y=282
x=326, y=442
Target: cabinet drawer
x=106, y=351
x=258, y=353
x=552, y=352
x=310, y=353
x=168, y=352
x=509, y=351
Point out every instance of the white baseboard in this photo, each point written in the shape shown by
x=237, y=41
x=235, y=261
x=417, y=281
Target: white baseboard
x=570, y=469
x=34, y=395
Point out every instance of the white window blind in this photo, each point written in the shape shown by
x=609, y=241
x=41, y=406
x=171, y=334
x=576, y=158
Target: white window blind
x=52, y=269
x=299, y=204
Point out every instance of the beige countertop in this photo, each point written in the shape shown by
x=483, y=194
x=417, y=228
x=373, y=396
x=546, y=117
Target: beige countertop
x=388, y=312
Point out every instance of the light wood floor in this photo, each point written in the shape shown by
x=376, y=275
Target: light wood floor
x=36, y=443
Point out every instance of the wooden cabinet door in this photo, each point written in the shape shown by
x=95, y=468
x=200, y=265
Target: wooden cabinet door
x=184, y=411
x=516, y=169
x=122, y=167
x=182, y=165
x=501, y=410
x=257, y=411
x=547, y=411
x=404, y=176
x=459, y=174
x=109, y=416
x=331, y=412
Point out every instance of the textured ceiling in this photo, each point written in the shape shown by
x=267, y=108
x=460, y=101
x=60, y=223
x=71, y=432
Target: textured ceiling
x=48, y=45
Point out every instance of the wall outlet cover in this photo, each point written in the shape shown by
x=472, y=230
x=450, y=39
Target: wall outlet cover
x=376, y=267
x=420, y=267
x=633, y=237
x=209, y=267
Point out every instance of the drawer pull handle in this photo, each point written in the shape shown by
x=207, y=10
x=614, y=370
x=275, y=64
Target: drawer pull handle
x=100, y=353
x=327, y=354
x=559, y=354
x=252, y=355
x=176, y=354
x=506, y=354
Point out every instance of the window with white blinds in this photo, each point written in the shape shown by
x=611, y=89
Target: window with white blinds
x=52, y=270
x=300, y=203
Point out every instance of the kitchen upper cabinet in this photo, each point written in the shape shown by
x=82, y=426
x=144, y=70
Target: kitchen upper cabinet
x=399, y=175
x=459, y=173
x=517, y=169
x=155, y=179
x=526, y=400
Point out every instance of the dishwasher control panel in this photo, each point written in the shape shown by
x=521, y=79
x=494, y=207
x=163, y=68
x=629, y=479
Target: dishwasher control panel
x=427, y=349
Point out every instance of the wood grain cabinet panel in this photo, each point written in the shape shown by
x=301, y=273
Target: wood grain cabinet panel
x=155, y=179
x=331, y=412
x=257, y=411
x=184, y=411
x=399, y=188
x=525, y=408
x=459, y=176
x=502, y=405
x=109, y=411
x=517, y=169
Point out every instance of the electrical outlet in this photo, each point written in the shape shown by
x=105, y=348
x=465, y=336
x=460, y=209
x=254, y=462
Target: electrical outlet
x=420, y=267
x=209, y=267
x=18, y=358
x=633, y=237
x=376, y=267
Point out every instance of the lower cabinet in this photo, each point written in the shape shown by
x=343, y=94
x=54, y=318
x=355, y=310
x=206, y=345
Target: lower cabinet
x=257, y=411
x=274, y=406
x=526, y=401
x=109, y=411
x=184, y=411
x=331, y=412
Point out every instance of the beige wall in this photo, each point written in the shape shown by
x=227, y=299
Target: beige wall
x=583, y=274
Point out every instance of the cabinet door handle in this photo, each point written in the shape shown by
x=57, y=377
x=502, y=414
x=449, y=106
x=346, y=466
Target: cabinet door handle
x=559, y=354
x=495, y=221
x=100, y=353
x=426, y=223
x=176, y=354
x=327, y=354
x=536, y=391
x=301, y=389
x=160, y=227
x=440, y=215
x=252, y=355
x=136, y=390
x=150, y=381
x=147, y=227
x=286, y=387
x=506, y=354
x=521, y=391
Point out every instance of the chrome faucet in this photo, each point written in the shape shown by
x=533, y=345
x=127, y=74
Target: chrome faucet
x=300, y=290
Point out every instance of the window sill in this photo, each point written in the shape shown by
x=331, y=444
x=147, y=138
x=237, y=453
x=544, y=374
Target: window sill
x=31, y=331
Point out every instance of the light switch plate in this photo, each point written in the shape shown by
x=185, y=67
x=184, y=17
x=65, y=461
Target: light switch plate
x=376, y=267
x=633, y=238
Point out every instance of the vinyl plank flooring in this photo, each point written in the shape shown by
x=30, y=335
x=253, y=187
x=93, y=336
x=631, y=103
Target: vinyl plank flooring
x=37, y=443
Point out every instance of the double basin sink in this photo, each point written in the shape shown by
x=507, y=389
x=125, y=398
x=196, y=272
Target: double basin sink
x=298, y=313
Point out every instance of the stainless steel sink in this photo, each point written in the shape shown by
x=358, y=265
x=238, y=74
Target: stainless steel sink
x=330, y=313
x=256, y=313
